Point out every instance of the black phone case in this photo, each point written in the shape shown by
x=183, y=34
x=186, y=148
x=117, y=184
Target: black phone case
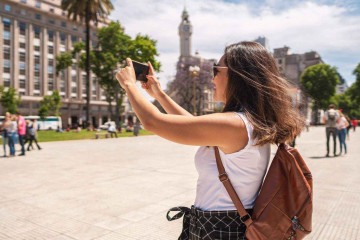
x=141, y=70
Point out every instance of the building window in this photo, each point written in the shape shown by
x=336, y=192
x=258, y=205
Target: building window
x=37, y=31
x=6, y=50
x=51, y=49
x=23, y=12
x=50, y=36
x=6, y=82
x=37, y=48
x=6, y=35
x=38, y=16
x=63, y=24
x=7, y=8
x=22, y=83
x=22, y=27
x=73, y=39
x=51, y=62
x=75, y=28
x=36, y=83
x=62, y=38
x=7, y=65
x=37, y=67
x=22, y=65
x=280, y=61
x=50, y=69
x=23, y=1
x=50, y=84
x=38, y=4
x=6, y=21
x=51, y=10
x=22, y=56
x=51, y=21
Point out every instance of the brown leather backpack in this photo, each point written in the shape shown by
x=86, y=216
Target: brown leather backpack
x=283, y=209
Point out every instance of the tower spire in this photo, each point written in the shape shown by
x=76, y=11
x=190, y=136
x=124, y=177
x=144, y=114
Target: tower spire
x=185, y=31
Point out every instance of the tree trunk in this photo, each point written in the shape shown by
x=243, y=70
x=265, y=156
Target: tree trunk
x=117, y=109
x=87, y=64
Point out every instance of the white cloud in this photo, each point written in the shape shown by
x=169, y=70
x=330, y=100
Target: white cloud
x=328, y=29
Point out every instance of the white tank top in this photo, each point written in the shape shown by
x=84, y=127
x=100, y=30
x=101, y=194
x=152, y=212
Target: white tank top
x=245, y=168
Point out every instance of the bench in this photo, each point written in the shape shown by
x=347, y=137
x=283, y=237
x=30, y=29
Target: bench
x=99, y=134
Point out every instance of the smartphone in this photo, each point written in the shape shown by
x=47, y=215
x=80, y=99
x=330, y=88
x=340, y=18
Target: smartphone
x=141, y=70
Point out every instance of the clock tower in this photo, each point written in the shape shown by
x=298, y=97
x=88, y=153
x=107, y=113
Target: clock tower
x=185, y=31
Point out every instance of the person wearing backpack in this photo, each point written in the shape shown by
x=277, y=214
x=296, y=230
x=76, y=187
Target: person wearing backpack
x=256, y=114
x=331, y=117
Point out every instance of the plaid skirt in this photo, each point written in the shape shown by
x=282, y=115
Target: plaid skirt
x=209, y=225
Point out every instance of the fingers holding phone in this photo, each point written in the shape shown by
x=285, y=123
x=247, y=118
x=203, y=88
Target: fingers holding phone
x=126, y=75
x=152, y=86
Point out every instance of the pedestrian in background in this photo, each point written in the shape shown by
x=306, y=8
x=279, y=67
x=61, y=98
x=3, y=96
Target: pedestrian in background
x=354, y=123
x=21, y=132
x=112, y=130
x=348, y=127
x=12, y=130
x=331, y=116
x=342, y=125
x=307, y=124
x=4, y=131
x=255, y=115
x=137, y=127
x=32, y=136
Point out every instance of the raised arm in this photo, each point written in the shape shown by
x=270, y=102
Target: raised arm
x=225, y=130
x=154, y=89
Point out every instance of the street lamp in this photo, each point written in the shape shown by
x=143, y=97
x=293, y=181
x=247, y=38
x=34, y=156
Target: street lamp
x=194, y=72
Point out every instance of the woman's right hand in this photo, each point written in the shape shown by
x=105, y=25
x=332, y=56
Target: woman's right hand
x=152, y=86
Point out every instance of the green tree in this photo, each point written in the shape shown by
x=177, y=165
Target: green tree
x=115, y=46
x=320, y=83
x=87, y=11
x=50, y=105
x=9, y=99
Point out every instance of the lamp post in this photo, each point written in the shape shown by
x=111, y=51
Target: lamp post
x=194, y=72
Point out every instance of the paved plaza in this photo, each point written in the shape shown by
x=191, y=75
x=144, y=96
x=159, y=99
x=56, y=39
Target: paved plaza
x=122, y=188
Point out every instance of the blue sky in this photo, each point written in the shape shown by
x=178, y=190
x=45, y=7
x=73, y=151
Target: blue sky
x=330, y=27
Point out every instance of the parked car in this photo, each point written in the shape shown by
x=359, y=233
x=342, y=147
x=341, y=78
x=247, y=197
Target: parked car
x=106, y=125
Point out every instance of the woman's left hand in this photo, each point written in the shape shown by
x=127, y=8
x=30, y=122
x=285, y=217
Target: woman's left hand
x=126, y=76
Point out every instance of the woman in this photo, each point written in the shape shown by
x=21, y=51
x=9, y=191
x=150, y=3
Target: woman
x=12, y=129
x=256, y=114
x=342, y=125
x=5, y=136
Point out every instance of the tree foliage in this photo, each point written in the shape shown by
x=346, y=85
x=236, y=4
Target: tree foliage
x=50, y=105
x=9, y=99
x=181, y=88
x=87, y=11
x=320, y=83
x=115, y=46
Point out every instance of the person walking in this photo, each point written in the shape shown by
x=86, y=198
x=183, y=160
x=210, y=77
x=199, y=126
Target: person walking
x=21, y=132
x=255, y=115
x=32, y=136
x=4, y=132
x=331, y=116
x=12, y=130
x=342, y=125
x=354, y=123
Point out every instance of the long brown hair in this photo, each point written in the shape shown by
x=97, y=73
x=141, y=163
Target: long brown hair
x=256, y=88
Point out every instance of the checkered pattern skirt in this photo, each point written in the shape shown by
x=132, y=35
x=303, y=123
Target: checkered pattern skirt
x=209, y=225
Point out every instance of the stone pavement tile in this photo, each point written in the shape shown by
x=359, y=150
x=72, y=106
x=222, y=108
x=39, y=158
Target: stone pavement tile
x=324, y=204
x=115, y=236
x=37, y=234
x=337, y=232
x=112, y=223
x=316, y=231
x=347, y=212
x=138, y=230
x=4, y=236
x=14, y=226
x=61, y=237
x=20, y=209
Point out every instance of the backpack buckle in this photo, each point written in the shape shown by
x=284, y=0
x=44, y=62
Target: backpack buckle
x=223, y=177
x=245, y=218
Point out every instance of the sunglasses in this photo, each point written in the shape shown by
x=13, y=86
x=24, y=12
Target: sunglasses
x=216, y=69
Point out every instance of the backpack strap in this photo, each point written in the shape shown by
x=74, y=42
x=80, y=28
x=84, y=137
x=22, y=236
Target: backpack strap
x=224, y=178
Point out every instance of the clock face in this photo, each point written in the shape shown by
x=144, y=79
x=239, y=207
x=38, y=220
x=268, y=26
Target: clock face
x=186, y=28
